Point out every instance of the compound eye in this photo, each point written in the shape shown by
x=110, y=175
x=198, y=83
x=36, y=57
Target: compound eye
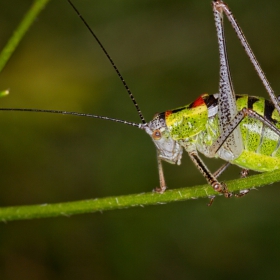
x=156, y=134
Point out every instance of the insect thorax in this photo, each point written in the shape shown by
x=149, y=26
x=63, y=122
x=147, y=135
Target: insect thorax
x=196, y=127
x=174, y=129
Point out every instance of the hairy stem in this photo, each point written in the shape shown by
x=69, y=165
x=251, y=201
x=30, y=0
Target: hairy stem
x=134, y=200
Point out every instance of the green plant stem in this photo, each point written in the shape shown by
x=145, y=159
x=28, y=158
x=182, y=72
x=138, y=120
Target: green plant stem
x=127, y=201
x=20, y=31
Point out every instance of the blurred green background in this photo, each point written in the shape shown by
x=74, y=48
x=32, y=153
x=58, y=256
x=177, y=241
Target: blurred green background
x=167, y=53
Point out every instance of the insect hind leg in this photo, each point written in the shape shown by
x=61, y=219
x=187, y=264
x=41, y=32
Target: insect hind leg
x=220, y=7
x=234, y=123
x=245, y=112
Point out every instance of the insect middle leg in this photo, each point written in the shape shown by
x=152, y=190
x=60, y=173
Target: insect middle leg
x=243, y=174
x=211, y=179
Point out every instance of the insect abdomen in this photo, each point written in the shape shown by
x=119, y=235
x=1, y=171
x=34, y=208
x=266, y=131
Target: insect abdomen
x=261, y=145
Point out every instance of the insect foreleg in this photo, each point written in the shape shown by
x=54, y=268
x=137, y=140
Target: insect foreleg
x=162, y=183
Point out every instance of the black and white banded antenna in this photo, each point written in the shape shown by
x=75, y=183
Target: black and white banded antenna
x=111, y=61
x=72, y=114
x=141, y=126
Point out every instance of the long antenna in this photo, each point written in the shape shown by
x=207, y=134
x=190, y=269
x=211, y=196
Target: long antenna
x=73, y=114
x=111, y=61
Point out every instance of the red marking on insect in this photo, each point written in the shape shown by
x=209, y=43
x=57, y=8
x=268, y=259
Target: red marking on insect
x=168, y=113
x=198, y=102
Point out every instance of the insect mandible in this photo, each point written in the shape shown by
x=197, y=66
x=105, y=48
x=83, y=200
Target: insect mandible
x=240, y=129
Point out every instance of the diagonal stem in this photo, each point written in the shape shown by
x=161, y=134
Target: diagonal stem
x=21, y=30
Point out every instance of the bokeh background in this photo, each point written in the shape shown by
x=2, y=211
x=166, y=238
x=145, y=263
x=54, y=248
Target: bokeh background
x=167, y=52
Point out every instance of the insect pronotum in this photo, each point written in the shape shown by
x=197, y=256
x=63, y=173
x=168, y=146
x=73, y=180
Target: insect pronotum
x=240, y=129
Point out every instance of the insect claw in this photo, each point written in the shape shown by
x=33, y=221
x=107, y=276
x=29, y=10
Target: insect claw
x=212, y=197
x=160, y=190
x=228, y=195
x=225, y=191
x=241, y=193
x=244, y=173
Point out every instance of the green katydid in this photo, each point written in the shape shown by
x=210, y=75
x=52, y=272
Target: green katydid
x=242, y=130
